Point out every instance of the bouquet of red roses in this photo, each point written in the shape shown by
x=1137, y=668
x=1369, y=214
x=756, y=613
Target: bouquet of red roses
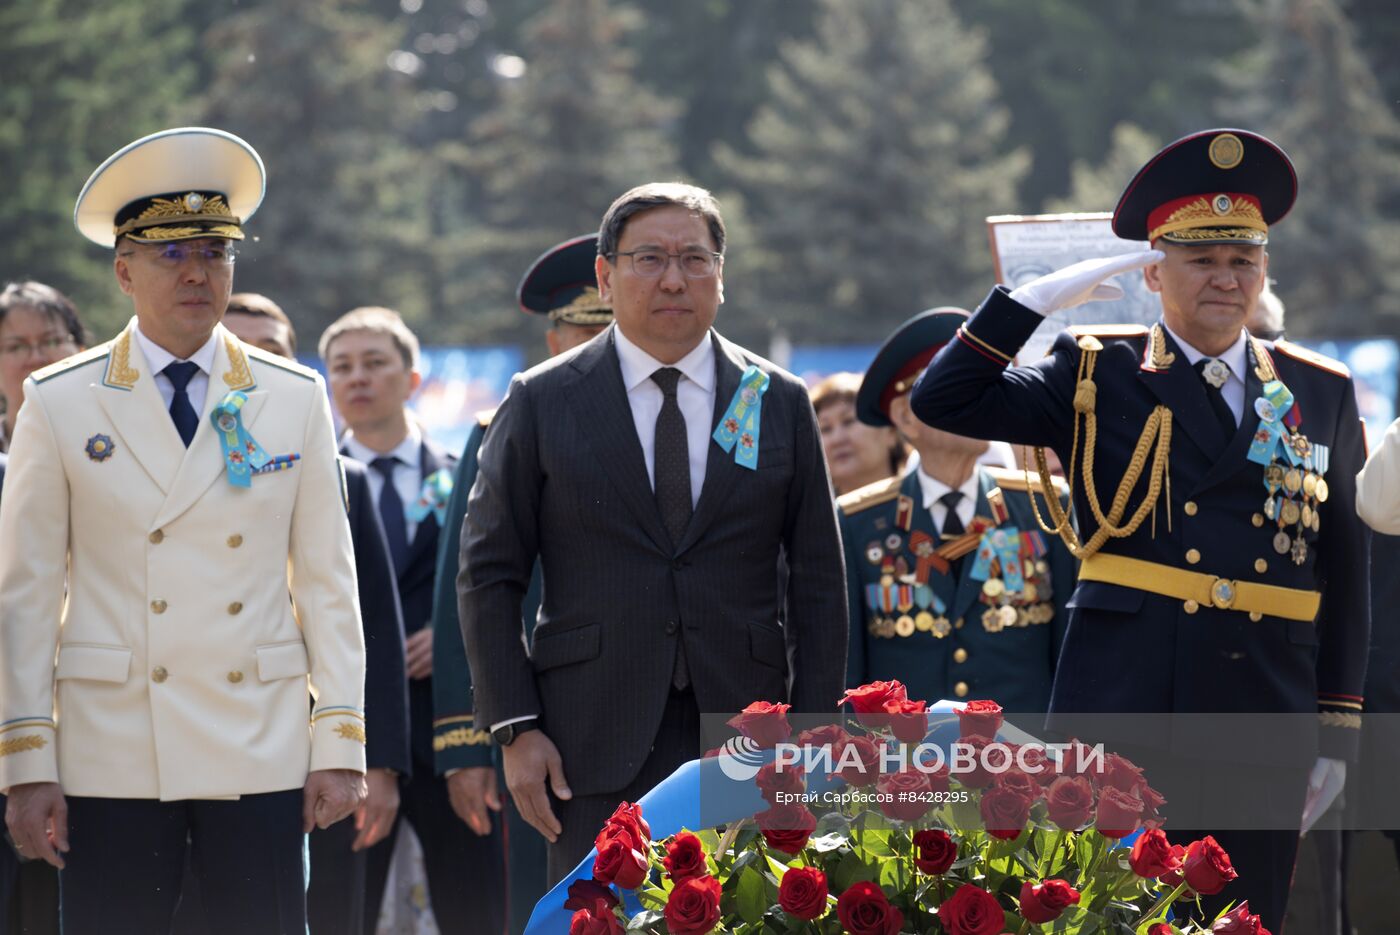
x=998, y=838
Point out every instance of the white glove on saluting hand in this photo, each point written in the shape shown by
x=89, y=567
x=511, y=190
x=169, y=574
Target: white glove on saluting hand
x=1082, y=282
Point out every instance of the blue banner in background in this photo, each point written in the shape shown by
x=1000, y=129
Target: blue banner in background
x=1374, y=364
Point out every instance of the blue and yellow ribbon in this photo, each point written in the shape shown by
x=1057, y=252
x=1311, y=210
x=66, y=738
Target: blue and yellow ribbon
x=437, y=489
x=1272, y=407
x=1002, y=544
x=242, y=454
x=740, y=423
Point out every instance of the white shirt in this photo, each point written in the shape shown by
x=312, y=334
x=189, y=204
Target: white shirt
x=1235, y=357
x=695, y=394
x=158, y=358
x=408, y=473
x=933, y=489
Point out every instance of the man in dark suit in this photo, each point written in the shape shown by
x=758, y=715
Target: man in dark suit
x=335, y=896
x=659, y=473
x=372, y=361
x=560, y=285
x=1213, y=608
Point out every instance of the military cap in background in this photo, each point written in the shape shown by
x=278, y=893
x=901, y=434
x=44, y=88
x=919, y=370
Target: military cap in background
x=563, y=285
x=902, y=358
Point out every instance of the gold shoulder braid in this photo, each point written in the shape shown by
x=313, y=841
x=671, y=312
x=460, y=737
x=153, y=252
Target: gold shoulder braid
x=1156, y=431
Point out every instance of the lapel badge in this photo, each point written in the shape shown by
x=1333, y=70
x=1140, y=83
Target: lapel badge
x=99, y=447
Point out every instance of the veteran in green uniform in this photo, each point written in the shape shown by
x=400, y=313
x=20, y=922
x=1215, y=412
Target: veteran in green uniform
x=560, y=284
x=954, y=588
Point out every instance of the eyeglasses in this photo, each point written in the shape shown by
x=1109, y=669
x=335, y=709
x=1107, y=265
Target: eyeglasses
x=172, y=256
x=46, y=346
x=695, y=264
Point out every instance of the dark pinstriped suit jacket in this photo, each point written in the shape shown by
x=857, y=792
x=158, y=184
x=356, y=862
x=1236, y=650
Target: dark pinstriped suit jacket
x=562, y=476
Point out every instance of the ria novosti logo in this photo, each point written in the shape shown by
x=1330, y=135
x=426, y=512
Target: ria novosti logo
x=740, y=758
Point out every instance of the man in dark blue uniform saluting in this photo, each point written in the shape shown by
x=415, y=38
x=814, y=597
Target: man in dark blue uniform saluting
x=1223, y=568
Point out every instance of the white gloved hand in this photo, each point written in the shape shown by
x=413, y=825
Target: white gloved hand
x=1082, y=282
x=1324, y=785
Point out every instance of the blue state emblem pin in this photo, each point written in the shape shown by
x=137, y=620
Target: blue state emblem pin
x=100, y=448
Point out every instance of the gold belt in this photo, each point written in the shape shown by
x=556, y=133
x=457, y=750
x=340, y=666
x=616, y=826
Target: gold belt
x=1198, y=589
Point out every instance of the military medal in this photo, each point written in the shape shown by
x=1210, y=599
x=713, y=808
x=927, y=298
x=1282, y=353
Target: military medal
x=923, y=622
x=993, y=587
x=99, y=448
x=874, y=553
x=893, y=542
x=1281, y=542
x=437, y=489
x=941, y=627
x=904, y=626
x=242, y=454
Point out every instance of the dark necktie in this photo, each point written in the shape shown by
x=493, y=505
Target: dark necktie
x=952, y=525
x=391, y=513
x=182, y=413
x=1223, y=415
x=673, y=483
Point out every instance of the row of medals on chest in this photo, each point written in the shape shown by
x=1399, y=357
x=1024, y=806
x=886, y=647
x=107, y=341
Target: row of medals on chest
x=1296, y=493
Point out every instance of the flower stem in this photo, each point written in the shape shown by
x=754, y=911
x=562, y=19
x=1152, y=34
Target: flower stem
x=1048, y=857
x=1025, y=927
x=1165, y=901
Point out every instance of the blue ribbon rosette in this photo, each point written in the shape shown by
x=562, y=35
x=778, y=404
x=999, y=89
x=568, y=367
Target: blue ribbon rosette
x=1002, y=544
x=242, y=454
x=740, y=423
x=1271, y=408
x=437, y=489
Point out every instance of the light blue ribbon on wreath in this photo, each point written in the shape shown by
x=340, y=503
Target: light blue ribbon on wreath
x=242, y=454
x=740, y=423
x=437, y=489
x=1271, y=407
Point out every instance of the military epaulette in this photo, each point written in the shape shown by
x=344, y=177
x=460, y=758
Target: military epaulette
x=882, y=491
x=80, y=359
x=280, y=362
x=1320, y=361
x=1008, y=479
x=484, y=417
x=1109, y=331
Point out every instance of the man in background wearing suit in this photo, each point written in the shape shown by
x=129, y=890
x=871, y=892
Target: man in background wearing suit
x=560, y=284
x=372, y=359
x=335, y=898
x=659, y=473
x=183, y=489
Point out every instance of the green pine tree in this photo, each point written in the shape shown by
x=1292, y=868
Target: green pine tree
x=880, y=151
x=1097, y=187
x=573, y=132
x=1308, y=87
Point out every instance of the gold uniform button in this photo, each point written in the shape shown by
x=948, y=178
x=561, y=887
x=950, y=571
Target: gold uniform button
x=1256, y=616
x=961, y=689
x=235, y=607
x=1260, y=565
x=234, y=541
x=158, y=674
x=235, y=676
x=960, y=655
x=1190, y=507
x=156, y=537
x=1191, y=607
x=158, y=607
x=1257, y=519
x=958, y=625
x=1193, y=556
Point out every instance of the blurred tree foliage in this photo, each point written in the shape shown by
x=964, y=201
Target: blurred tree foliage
x=422, y=152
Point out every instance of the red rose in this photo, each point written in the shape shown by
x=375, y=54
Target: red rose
x=1005, y=812
x=979, y=719
x=1077, y=759
x=934, y=851
x=857, y=762
x=1207, y=867
x=627, y=816
x=764, y=723
x=1034, y=762
x=871, y=698
x=908, y=793
x=1161, y=928
x=786, y=827
x=1046, y=902
x=908, y=720
x=685, y=857
x=969, y=761
x=938, y=778
x=829, y=736
x=1070, y=802
x=1153, y=855
x=802, y=894
x=693, y=906
x=1121, y=773
x=598, y=919
x=771, y=780
x=1118, y=812
x=1019, y=782
x=1238, y=921
x=582, y=893
x=1152, y=802
x=972, y=911
x=619, y=862
x=864, y=910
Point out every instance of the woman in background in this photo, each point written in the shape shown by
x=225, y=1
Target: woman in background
x=856, y=454
x=38, y=326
